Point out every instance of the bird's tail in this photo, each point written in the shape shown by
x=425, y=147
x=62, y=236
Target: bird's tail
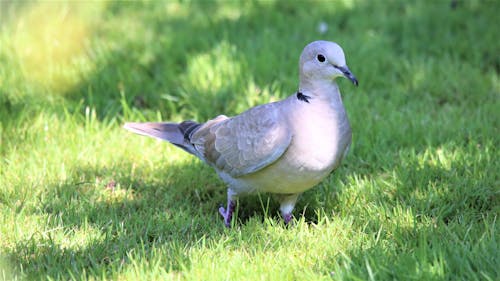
x=178, y=134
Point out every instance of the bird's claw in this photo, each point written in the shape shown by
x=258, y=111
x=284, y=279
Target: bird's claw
x=287, y=218
x=227, y=214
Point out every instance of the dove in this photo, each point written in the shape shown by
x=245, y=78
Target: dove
x=284, y=147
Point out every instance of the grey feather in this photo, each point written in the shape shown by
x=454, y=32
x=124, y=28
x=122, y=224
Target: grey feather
x=171, y=132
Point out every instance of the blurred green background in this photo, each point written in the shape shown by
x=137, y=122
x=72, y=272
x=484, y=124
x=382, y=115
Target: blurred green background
x=80, y=198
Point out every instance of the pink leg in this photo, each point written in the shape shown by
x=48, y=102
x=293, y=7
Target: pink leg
x=287, y=203
x=227, y=214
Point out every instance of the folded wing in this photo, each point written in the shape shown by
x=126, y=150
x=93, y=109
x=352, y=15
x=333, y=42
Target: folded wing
x=245, y=143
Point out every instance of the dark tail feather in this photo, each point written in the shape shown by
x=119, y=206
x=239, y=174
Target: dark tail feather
x=177, y=134
x=187, y=129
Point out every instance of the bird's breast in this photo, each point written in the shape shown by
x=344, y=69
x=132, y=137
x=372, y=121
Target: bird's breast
x=323, y=134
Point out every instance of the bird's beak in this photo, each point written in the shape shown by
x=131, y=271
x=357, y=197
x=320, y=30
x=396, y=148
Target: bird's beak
x=348, y=74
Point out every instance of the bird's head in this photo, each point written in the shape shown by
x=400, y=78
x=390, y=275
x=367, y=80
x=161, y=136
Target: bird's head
x=324, y=61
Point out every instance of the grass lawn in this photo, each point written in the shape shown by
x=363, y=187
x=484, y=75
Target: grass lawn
x=418, y=198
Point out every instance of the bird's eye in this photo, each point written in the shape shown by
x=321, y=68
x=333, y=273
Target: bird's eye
x=321, y=58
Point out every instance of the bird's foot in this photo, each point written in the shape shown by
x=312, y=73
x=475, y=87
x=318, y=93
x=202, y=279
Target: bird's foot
x=227, y=214
x=287, y=218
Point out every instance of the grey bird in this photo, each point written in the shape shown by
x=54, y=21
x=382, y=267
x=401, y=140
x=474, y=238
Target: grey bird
x=285, y=147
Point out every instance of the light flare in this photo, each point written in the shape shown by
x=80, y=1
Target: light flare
x=50, y=40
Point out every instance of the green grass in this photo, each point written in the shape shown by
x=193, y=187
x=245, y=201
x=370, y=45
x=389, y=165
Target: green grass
x=82, y=199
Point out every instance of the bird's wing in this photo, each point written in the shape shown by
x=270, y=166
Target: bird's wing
x=245, y=143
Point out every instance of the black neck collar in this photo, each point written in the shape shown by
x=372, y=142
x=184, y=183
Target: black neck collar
x=302, y=97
